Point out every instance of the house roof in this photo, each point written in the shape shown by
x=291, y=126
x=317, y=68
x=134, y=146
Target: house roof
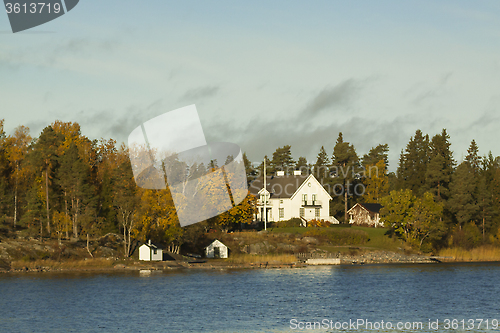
x=372, y=207
x=278, y=186
x=216, y=240
x=152, y=246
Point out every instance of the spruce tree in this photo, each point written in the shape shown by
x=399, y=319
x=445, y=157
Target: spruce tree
x=413, y=164
x=322, y=165
x=462, y=203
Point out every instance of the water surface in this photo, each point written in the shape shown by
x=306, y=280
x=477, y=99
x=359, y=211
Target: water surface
x=267, y=300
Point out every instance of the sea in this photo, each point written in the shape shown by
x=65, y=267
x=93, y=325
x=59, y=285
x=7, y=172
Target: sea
x=440, y=297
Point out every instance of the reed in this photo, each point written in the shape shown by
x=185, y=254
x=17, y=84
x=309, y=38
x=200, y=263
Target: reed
x=67, y=264
x=258, y=259
x=481, y=253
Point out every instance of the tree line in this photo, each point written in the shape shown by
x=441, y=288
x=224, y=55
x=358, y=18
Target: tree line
x=431, y=201
x=62, y=185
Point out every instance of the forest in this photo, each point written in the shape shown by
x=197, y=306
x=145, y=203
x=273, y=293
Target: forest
x=63, y=185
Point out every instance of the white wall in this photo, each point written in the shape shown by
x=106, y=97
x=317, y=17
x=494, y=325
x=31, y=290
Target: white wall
x=223, y=250
x=145, y=253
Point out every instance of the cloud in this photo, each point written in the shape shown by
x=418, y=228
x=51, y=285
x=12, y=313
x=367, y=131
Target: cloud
x=196, y=94
x=340, y=95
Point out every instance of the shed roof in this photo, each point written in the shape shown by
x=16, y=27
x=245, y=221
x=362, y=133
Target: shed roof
x=152, y=246
x=216, y=240
x=372, y=207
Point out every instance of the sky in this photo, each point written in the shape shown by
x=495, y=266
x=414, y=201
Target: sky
x=264, y=74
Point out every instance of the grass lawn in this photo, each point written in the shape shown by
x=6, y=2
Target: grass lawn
x=378, y=239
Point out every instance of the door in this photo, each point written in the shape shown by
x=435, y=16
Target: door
x=216, y=252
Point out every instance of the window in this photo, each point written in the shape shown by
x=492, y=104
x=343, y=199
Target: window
x=271, y=214
x=316, y=212
x=282, y=213
x=281, y=201
x=304, y=198
x=154, y=251
x=302, y=212
x=313, y=198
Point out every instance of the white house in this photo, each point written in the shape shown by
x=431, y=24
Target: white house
x=216, y=250
x=292, y=196
x=365, y=213
x=150, y=252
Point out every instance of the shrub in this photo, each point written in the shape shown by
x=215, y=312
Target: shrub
x=293, y=222
x=318, y=223
x=467, y=237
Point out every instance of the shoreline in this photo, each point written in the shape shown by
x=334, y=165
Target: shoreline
x=218, y=264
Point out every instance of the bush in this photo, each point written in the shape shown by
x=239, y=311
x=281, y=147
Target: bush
x=339, y=237
x=467, y=237
x=318, y=223
x=293, y=222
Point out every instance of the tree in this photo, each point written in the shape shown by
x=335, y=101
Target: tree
x=322, y=165
x=377, y=182
x=157, y=219
x=73, y=177
x=282, y=159
x=414, y=219
x=303, y=166
x=17, y=148
x=243, y=213
x=34, y=209
x=462, y=203
x=376, y=154
x=427, y=222
x=473, y=159
x=397, y=212
x=126, y=201
x=413, y=163
x=345, y=165
x=44, y=159
x=440, y=166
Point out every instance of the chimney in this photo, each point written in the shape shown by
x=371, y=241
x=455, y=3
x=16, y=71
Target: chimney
x=149, y=242
x=280, y=173
x=297, y=173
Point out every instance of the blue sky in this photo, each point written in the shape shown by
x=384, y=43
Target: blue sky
x=262, y=74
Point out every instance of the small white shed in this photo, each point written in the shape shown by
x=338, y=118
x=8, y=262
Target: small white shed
x=216, y=250
x=150, y=252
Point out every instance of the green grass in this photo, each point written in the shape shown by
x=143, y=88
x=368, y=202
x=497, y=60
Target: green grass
x=378, y=241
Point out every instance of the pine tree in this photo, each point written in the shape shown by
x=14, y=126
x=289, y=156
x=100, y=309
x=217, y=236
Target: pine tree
x=282, y=160
x=73, y=177
x=345, y=163
x=376, y=154
x=303, y=166
x=44, y=160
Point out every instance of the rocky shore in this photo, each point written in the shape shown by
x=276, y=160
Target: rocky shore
x=116, y=265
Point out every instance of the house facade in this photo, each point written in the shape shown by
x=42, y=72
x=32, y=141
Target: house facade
x=150, y=252
x=216, y=250
x=365, y=214
x=292, y=196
